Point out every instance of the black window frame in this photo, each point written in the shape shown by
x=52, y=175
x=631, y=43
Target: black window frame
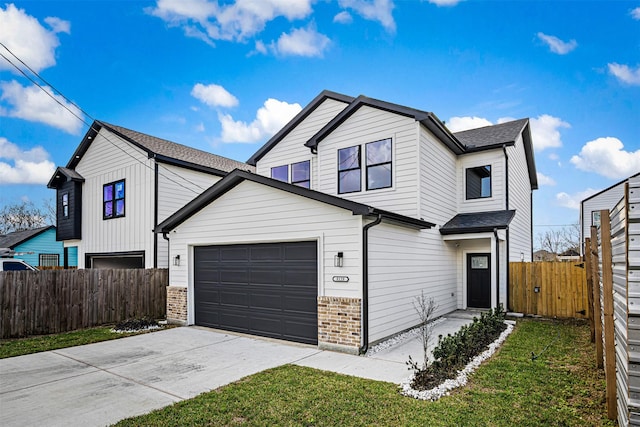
x=279, y=167
x=467, y=194
x=114, y=200
x=302, y=181
x=390, y=163
x=65, y=204
x=358, y=168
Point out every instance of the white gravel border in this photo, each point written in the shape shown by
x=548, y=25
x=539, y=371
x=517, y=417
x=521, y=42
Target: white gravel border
x=128, y=331
x=463, y=375
x=398, y=339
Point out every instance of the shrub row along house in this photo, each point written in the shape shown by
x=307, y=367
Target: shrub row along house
x=328, y=232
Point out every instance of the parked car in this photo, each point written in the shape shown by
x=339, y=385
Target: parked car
x=8, y=263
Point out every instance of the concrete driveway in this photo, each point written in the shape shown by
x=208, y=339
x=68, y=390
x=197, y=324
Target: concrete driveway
x=100, y=384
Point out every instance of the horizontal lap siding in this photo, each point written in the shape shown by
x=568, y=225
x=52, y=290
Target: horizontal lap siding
x=520, y=200
x=368, y=125
x=605, y=200
x=253, y=213
x=110, y=159
x=291, y=148
x=402, y=263
x=438, y=184
x=495, y=158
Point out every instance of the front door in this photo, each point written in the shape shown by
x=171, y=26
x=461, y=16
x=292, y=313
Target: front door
x=479, y=280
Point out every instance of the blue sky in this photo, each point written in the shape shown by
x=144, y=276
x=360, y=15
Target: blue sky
x=224, y=76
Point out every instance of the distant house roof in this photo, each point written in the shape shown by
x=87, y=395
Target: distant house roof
x=11, y=240
x=478, y=222
x=162, y=150
x=237, y=176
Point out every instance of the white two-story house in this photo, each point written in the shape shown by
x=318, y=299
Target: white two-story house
x=356, y=207
x=118, y=185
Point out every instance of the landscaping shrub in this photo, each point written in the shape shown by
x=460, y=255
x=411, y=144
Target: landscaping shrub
x=453, y=352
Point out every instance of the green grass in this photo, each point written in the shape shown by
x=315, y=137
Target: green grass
x=22, y=346
x=560, y=388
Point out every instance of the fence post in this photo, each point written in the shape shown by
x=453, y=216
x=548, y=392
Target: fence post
x=587, y=268
x=597, y=310
x=607, y=308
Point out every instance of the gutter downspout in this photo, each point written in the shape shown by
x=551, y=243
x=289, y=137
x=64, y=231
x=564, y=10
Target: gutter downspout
x=365, y=284
x=495, y=233
x=506, y=165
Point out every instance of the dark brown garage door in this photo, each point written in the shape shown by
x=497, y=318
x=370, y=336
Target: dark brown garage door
x=265, y=289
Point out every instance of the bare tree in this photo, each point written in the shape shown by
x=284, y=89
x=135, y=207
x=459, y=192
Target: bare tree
x=425, y=307
x=23, y=216
x=560, y=240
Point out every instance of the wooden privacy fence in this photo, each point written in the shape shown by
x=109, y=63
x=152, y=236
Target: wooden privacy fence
x=549, y=289
x=52, y=301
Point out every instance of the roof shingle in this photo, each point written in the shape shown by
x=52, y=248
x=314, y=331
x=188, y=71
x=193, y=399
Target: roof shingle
x=11, y=240
x=478, y=222
x=491, y=135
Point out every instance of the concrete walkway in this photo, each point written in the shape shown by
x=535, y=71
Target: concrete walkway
x=100, y=384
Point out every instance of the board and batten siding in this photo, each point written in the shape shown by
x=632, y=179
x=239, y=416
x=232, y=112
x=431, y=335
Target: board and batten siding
x=291, y=148
x=402, y=263
x=255, y=213
x=496, y=202
x=177, y=186
x=520, y=240
x=370, y=124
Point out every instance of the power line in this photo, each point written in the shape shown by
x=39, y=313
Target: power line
x=53, y=88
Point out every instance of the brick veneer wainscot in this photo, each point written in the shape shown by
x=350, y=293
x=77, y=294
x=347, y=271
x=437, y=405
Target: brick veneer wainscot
x=176, y=304
x=339, y=321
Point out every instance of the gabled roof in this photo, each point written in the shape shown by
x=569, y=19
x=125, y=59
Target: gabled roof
x=162, y=150
x=427, y=119
x=237, y=176
x=478, y=222
x=62, y=175
x=310, y=108
x=11, y=240
x=609, y=188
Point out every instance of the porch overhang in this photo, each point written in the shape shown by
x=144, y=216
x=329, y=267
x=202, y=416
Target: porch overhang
x=477, y=222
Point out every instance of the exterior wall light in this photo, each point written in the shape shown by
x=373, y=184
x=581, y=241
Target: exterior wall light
x=176, y=260
x=338, y=259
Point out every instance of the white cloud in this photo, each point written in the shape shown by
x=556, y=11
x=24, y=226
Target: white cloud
x=302, y=42
x=625, y=74
x=572, y=201
x=458, y=124
x=200, y=127
x=214, y=95
x=635, y=13
x=207, y=20
x=28, y=39
x=556, y=45
x=33, y=104
x=29, y=167
x=607, y=157
x=270, y=118
x=373, y=10
x=343, y=17
x=545, y=180
x=445, y=2
x=554, y=156
x=545, y=131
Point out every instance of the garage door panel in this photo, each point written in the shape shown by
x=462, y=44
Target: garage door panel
x=261, y=289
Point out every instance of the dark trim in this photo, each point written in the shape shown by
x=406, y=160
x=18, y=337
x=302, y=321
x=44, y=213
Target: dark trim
x=237, y=176
x=84, y=145
x=531, y=222
x=131, y=254
x=478, y=222
x=188, y=165
x=495, y=233
x=155, y=213
x=304, y=180
x=65, y=252
x=470, y=149
x=466, y=183
x=68, y=174
x=528, y=151
x=310, y=108
x=435, y=125
x=367, y=166
x=506, y=167
x=365, y=284
x=113, y=185
x=359, y=169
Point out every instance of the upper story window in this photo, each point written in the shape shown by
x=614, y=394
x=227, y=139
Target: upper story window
x=378, y=164
x=478, y=181
x=281, y=173
x=301, y=174
x=349, y=170
x=113, y=200
x=595, y=218
x=65, y=205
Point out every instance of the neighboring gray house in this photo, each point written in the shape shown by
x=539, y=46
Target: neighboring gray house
x=590, y=207
x=356, y=207
x=118, y=185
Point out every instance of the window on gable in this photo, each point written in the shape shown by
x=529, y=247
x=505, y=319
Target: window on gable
x=378, y=156
x=349, y=170
x=301, y=174
x=281, y=173
x=113, y=200
x=595, y=218
x=65, y=205
x=478, y=182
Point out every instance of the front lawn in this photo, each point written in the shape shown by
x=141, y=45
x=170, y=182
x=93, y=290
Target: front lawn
x=558, y=388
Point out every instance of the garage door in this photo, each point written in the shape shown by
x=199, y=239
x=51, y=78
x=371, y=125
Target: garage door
x=261, y=289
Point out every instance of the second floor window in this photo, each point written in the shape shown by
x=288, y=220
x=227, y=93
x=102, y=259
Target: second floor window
x=378, y=164
x=281, y=173
x=478, y=182
x=113, y=200
x=301, y=174
x=65, y=205
x=349, y=170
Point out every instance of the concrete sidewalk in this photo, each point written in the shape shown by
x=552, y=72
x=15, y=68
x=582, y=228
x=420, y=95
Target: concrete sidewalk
x=100, y=384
